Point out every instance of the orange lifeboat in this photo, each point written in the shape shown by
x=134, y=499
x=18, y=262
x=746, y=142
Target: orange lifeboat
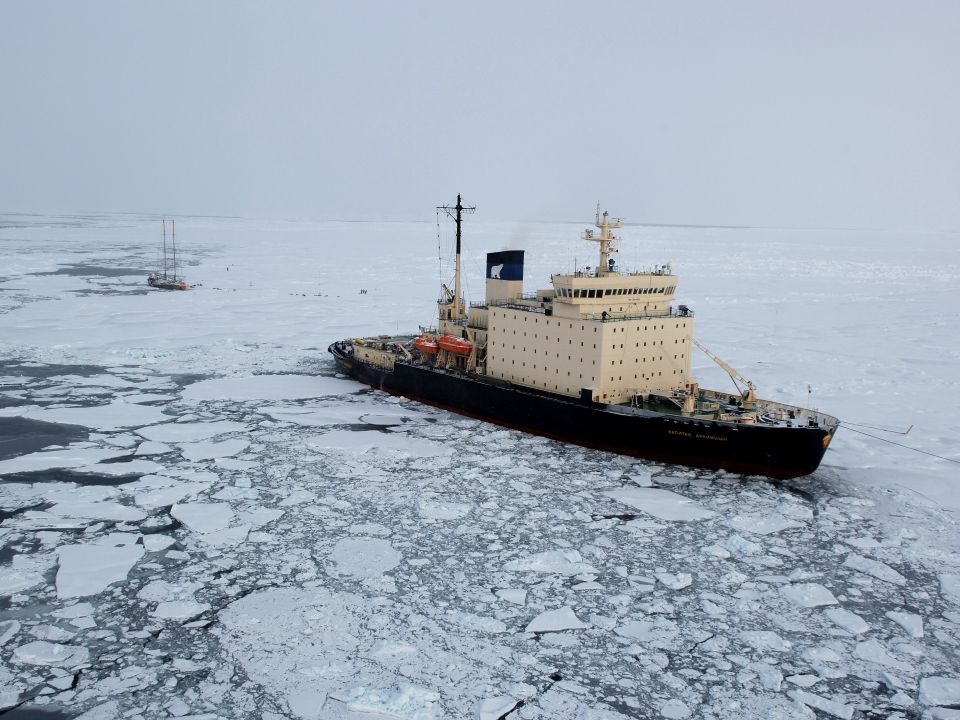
x=425, y=344
x=455, y=345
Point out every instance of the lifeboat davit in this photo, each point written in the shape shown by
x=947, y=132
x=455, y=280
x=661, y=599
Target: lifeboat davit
x=425, y=344
x=455, y=345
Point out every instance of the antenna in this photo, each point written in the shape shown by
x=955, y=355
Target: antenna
x=455, y=212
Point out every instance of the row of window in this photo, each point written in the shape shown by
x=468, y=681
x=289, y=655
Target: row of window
x=608, y=292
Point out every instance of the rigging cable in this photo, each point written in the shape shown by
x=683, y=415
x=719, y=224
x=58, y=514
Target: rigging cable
x=924, y=452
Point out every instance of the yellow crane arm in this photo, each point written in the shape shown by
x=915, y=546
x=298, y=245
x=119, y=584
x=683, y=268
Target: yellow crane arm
x=749, y=396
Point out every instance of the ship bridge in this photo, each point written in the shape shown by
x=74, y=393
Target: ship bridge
x=600, y=333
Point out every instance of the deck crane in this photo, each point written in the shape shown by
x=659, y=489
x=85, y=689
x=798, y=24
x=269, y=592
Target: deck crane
x=748, y=396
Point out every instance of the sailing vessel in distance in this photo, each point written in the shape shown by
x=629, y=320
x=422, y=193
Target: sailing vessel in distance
x=165, y=277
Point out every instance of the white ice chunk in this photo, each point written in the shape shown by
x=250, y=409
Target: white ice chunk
x=190, y=431
x=873, y=651
x=115, y=416
x=831, y=707
x=849, y=621
x=8, y=628
x=442, y=510
x=517, y=596
x=675, y=581
x=675, y=710
x=14, y=580
x=307, y=703
x=495, y=708
x=808, y=594
x=660, y=503
x=556, y=621
x=70, y=457
x=268, y=387
x=875, y=568
x=156, y=543
x=71, y=612
x=179, y=610
x=740, y=546
x=210, y=450
x=765, y=641
x=89, y=568
x=203, y=517
x=910, y=622
x=41, y=652
x=761, y=524
x=938, y=690
x=563, y=562
x=406, y=702
x=97, y=511
x=364, y=557
x=950, y=586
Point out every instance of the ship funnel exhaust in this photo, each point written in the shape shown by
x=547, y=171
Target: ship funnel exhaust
x=504, y=275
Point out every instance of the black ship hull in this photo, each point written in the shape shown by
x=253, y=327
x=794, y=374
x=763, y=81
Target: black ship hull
x=778, y=452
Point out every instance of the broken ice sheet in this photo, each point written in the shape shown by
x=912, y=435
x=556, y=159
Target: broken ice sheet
x=89, y=568
x=556, y=621
x=808, y=595
x=662, y=504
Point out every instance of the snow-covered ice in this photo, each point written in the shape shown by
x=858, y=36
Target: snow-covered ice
x=234, y=531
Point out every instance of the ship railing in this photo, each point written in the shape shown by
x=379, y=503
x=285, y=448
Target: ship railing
x=618, y=317
x=478, y=305
x=513, y=305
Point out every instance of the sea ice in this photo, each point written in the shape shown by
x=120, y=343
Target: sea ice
x=950, y=586
x=97, y=511
x=156, y=543
x=89, y=568
x=364, y=557
x=849, y=621
x=765, y=641
x=210, y=450
x=808, y=595
x=556, y=621
x=442, y=510
x=189, y=431
x=761, y=524
x=179, y=610
x=268, y=387
x=517, y=596
x=42, y=652
x=875, y=568
x=675, y=581
x=562, y=562
x=675, y=710
x=831, y=707
x=495, y=708
x=117, y=415
x=873, y=651
x=910, y=622
x=203, y=517
x=941, y=691
x=70, y=457
x=662, y=504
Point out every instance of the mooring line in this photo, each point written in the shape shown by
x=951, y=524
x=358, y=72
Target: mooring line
x=924, y=452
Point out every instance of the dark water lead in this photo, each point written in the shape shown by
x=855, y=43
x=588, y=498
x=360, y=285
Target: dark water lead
x=33, y=712
x=19, y=436
x=93, y=271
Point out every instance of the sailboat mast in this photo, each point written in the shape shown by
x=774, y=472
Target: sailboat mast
x=164, y=248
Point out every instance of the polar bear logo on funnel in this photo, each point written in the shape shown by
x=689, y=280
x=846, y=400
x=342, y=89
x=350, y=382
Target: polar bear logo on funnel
x=495, y=271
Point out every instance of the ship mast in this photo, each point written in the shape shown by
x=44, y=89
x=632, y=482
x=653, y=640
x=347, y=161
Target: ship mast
x=456, y=213
x=164, y=248
x=605, y=239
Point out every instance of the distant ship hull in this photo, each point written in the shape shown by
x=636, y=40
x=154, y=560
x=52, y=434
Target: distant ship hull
x=778, y=452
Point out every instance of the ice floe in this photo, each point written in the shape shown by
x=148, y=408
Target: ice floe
x=267, y=387
x=808, y=595
x=662, y=504
x=556, y=621
x=89, y=568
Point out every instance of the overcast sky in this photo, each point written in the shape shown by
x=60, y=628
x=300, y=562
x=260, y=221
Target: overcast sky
x=801, y=114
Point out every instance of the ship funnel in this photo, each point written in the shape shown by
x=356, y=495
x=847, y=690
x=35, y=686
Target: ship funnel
x=504, y=275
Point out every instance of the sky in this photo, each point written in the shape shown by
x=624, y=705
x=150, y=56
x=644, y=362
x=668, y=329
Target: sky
x=811, y=115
